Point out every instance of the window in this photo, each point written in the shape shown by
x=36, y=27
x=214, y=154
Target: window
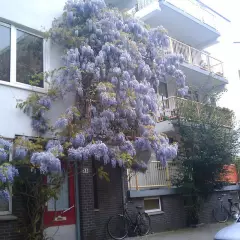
x=62, y=211
x=6, y=206
x=62, y=203
x=163, y=89
x=29, y=57
x=21, y=56
x=5, y=50
x=152, y=205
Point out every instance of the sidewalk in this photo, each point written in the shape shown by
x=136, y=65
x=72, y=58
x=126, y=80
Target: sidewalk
x=206, y=232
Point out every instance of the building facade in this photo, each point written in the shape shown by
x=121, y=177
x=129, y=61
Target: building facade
x=191, y=28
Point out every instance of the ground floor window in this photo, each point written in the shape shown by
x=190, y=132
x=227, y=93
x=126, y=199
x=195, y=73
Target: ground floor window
x=6, y=206
x=152, y=205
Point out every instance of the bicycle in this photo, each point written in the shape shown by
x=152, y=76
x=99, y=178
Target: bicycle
x=119, y=225
x=221, y=213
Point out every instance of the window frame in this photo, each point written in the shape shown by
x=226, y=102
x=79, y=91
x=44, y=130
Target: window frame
x=156, y=209
x=9, y=212
x=13, y=58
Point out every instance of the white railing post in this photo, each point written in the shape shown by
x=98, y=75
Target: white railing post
x=222, y=69
x=171, y=45
x=190, y=55
x=208, y=63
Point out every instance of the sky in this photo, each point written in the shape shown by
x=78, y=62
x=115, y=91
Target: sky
x=227, y=51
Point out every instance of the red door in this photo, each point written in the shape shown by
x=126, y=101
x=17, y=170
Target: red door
x=62, y=211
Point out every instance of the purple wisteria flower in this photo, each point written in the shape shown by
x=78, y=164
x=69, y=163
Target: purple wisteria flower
x=46, y=162
x=120, y=63
x=78, y=140
x=39, y=125
x=55, y=147
x=61, y=123
x=6, y=144
x=7, y=173
x=128, y=148
x=45, y=102
x=139, y=167
x=20, y=153
x=3, y=154
x=183, y=91
x=142, y=144
x=4, y=195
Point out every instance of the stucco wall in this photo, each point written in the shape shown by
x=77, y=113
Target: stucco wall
x=37, y=15
x=32, y=13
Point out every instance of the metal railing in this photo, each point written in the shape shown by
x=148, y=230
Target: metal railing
x=144, y=3
x=176, y=107
x=156, y=176
x=191, y=55
x=196, y=57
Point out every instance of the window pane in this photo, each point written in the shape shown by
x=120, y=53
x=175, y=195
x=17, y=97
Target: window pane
x=163, y=89
x=4, y=205
x=5, y=40
x=62, y=202
x=29, y=58
x=150, y=204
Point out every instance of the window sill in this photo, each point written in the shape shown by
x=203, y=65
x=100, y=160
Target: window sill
x=24, y=86
x=96, y=210
x=8, y=218
x=157, y=212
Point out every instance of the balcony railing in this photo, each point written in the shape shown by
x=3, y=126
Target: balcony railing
x=191, y=7
x=156, y=176
x=196, y=57
x=179, y=107
x=144, y=3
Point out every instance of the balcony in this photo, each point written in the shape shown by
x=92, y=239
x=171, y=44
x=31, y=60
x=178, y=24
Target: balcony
x=174, y=107
x=198, y=21
x=155, y=177
x=158, y=176
x=197, y=58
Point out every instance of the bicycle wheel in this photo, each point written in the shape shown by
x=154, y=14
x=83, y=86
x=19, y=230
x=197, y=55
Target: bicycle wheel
x=235, y=211
x=144, y=224
x=117, y=227
x=220, y=214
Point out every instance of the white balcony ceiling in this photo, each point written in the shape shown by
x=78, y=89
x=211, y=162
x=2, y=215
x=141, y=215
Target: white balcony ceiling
x=180, y=25
x=201, y=78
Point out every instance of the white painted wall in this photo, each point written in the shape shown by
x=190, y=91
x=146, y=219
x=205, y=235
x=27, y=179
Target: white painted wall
x=61, y=232
x=38, y=15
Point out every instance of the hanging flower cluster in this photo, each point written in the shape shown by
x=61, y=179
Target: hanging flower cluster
x=114, y=64
x=7, y=171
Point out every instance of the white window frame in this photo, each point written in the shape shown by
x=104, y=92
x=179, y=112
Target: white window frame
x=156, y=210
x=13, y=59
x=9, y=212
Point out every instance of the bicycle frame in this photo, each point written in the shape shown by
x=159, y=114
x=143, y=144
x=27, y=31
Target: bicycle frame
x=230, y=203
x=132, y=223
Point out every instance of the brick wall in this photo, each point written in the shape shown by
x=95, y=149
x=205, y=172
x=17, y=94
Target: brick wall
x=10, y=230
x=172, y=216
x=206, y=215
x=87, y=217
x=110, y=200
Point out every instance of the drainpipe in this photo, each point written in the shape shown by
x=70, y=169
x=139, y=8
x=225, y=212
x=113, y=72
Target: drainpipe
x=123, y=188
x=77, y=208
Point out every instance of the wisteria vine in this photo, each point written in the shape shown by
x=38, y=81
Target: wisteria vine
x=114, y=64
